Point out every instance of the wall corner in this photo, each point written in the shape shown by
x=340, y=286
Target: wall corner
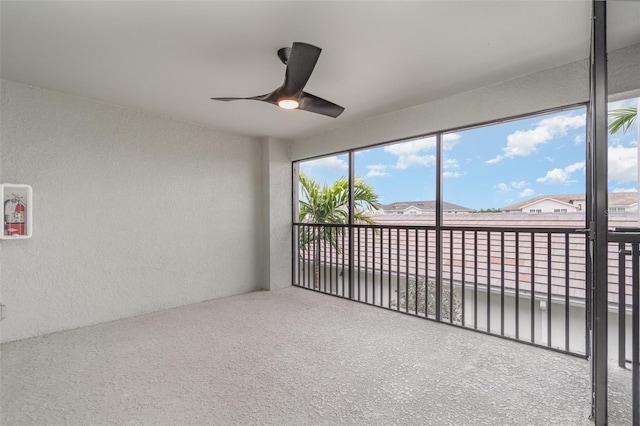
x=277, y=218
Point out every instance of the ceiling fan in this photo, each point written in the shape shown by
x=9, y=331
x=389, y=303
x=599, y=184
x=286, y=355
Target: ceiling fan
x=300, y=60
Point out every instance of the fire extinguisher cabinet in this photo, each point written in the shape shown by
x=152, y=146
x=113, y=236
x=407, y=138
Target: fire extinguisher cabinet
x=17, y=208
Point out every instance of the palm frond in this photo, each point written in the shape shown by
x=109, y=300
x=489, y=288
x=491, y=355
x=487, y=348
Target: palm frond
x=622, y=119
x=330, y=204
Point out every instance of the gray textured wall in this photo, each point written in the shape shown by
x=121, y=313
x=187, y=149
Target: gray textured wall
x=132, y=212
x=278, y=223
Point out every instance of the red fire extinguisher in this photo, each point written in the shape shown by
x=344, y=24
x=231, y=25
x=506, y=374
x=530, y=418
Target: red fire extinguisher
x=14, y=216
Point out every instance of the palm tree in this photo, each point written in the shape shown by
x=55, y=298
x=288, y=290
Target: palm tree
x=330, y=205
x=622, y=119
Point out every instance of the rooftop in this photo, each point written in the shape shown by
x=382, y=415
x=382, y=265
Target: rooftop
x=423, y=205
x=615, y=199
x=370, y=243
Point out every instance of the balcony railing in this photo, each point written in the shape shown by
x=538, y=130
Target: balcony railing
x=522, y=284
x=628, y=245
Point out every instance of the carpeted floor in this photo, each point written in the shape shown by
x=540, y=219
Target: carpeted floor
x=290, y=357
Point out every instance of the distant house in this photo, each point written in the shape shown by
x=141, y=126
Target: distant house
x=418, y=208
x=619, y=202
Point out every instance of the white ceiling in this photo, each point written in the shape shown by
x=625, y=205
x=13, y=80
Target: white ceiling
x=169, y=58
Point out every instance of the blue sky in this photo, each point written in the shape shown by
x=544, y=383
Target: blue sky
x=492, y=166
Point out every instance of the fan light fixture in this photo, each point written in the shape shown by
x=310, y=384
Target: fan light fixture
x=288, y=104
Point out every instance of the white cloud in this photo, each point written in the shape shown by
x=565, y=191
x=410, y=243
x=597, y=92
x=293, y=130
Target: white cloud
x=579, y=139
x=625, y=103
x=623, y=163
x=333, y=163
x=622, y=167
x=377, y=170
x=528, y=192
x=412, y=147
x=625, y=190
x=450, y=163
x=561, y=176
x=451, y=137
x=556, y=176
x=503, y=187
x=562, y=123
x=575, y=167
x=406, y=161
x=451, y=174
x=450, y=140
x=417, y=152
x=413, y=153
x=508, y=187
x=522, y=143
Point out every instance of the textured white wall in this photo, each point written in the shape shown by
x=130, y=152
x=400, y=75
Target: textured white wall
x=132, y=212
x=278, y=224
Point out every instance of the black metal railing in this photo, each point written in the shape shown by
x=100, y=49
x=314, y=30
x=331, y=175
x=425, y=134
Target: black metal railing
x=628, y=300
x=525, y=284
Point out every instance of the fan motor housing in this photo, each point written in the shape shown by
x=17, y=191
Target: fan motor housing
x=283, y=54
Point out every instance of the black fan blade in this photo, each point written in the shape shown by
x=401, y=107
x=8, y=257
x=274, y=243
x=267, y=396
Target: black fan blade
x=269, y=97
x=302, y=60
x=228, y=99
x=312, y=103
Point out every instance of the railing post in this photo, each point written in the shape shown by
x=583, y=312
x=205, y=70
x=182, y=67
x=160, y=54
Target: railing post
x=438, y=226
x=635, y=357
x=352, y=179
x=622, y=272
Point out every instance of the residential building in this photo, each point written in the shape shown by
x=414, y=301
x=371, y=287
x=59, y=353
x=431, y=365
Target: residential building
x=619, y=202
x=413, y=208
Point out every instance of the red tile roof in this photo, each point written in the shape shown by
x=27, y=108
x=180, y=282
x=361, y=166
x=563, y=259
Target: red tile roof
x=395, y=259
